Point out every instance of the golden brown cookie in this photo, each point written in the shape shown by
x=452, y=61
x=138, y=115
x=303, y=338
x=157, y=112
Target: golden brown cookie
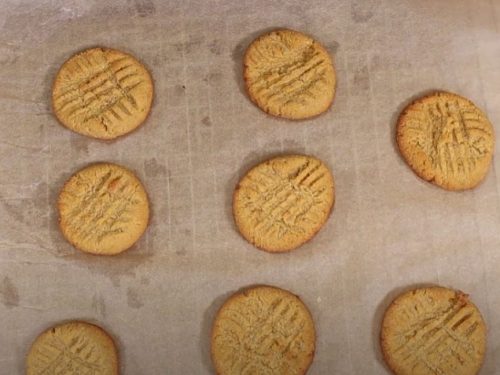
x=263, y=330
x=431, y=331
x=282, y=203
x=289, y=74
x=74, y=348
x=446, y=140
x=103, y=209
x=102, y=93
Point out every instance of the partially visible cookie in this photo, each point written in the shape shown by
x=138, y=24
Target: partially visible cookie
x=446, y=140
x=103, y=209
x=74, y=348
x=431, y=331
x=282, y=203
x=289, y=74
x=263, y=330
x=102, y=93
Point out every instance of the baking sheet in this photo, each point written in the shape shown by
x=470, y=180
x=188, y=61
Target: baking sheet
x=389, y=230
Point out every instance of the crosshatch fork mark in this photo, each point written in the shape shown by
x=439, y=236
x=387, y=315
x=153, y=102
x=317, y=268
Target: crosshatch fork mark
x=88, y=76
x=102, y=93
x=288, y=74
x=279, y=313
x=283, y=203
x=284, y=80
x=103, y=86
x=455, y=137
x=103, y=209
x=450, y=140
x=262, y=331
x=257, y=338
x=95, y=81
x=55, y=357
x=432, y=337
x=99, y=212
x=432, y=329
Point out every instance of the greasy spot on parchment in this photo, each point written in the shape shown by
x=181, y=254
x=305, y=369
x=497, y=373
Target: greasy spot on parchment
x=361, y=79
x=9, y=295
x=292, y=145
x=178, y=93
x=214, y=78
x=115, y=267
x=332, y=46
x=144, y=8
x=99, y=305
x=32, y=210
x=153, y=169
x=216, y=47
x=181, y=252
x=14, y=210
x=133, y=299
x=193, y=44
x=80, y=144
x=206, y=121
x=40, y=198
x=361, y=12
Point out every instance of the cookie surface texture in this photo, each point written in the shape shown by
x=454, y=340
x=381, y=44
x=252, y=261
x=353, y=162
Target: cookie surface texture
x=263, y=330
x=283, y=202
x=289, y=74
x=102, y=93
x=103, y=209
x=74, y=348
x=431, y=331
x=446, y=140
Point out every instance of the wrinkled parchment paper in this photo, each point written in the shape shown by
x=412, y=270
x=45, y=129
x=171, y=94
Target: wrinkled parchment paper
x=389, y=230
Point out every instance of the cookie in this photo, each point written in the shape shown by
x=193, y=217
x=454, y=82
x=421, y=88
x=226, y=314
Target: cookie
x=282, y=203
x=72, y=349
x=446, y=140
x=103, y=209
x=263, y=330
x=289, y=74
x=431, y=331
x=102, y=93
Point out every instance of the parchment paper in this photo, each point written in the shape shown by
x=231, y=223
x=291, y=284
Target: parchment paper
x=389, y=230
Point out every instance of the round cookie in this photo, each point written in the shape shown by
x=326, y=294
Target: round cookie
x=431, y=331
x=289, y=74
x=102, y=93
x=263, y=330
x=282, y=203
x=103, y=209
x=446, y=140
x=73, y=348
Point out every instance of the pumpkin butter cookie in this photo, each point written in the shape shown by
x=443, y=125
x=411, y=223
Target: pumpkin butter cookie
x=431, y=331
x=289, y=74
x=73, y=348
x=103, y=209
x=102, y=93
x=446, y=140
x=263, y=330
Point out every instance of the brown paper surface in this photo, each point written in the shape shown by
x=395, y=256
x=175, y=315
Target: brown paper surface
x=389, y=230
